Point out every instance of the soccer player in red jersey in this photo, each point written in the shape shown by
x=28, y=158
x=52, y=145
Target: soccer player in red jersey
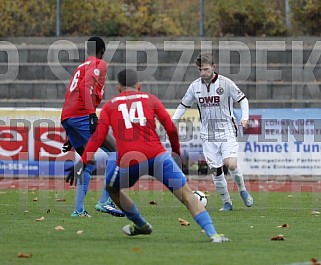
x=131, y=115
x=78, y=117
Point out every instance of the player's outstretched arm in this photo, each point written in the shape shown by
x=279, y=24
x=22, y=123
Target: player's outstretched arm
x=179, y=112
x=244, y=103
x=187, y=101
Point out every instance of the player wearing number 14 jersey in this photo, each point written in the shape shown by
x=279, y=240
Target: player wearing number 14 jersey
x=78, y=117
x=131, y=115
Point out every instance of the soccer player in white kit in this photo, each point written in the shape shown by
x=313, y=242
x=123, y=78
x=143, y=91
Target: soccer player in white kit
x=214, y=95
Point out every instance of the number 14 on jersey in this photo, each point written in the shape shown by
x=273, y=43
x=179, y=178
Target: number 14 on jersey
x=134, y=115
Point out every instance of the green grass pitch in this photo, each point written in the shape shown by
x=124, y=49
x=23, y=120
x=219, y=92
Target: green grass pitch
x=103, y=242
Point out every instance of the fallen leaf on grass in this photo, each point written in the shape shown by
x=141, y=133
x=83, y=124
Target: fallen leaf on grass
x=153, y=202
x=24, y=255
x=315, y=262
x=60, y=200
x=183, y=222
x=79, y=232
x=59, y=227
x=136, y=249
x=315, y=212
x=283, y=226
x=35, y=199
x=40, y=219
x=278, y=237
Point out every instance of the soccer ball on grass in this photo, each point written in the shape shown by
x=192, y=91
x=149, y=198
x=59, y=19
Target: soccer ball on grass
x=201, y=196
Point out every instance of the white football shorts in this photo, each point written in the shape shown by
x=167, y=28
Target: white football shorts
x=216, y=152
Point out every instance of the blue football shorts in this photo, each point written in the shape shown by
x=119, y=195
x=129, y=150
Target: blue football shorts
x=162, y=167
x=78, y=130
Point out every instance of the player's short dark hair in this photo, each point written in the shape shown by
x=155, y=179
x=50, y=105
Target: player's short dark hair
x=127, y=77
x=204, y=58
x=95, y=45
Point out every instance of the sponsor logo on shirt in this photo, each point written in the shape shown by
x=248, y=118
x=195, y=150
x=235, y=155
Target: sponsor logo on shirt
x=96, y=72
x=210, y=101
x=220, y=91
x=240, y=94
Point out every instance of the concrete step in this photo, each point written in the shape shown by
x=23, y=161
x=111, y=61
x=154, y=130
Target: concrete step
x=173, y=52
x=170, y=104
x=166, y=72
x=49, y=90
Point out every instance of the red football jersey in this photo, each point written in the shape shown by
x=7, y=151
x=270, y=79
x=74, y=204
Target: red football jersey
x=131, y=116
x=86, y=88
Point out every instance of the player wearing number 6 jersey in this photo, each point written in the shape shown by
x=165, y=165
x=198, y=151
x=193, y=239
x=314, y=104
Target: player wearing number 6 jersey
x=86, y=88
x=214, y=95
x=131, y=115
x=78, y=117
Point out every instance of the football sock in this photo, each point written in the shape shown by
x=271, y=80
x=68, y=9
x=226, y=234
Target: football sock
x=205, y=222
x=83, y=188
x=237, y=176
x=134, y=215
x=221, y=187
x=104, y=194
x=110, y=169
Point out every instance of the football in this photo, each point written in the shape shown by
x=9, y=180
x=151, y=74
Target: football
x=201, y=196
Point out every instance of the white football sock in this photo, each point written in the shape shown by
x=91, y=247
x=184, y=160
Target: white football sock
x=237, y=176
x=221, y=187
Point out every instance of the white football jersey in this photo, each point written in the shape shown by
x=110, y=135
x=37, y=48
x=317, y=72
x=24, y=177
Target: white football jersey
x=215, y=104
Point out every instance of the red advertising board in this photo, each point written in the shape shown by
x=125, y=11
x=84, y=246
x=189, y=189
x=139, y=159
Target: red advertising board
x=255, y=125
x=48, y=142
x=14, y=143
x=39, y=144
